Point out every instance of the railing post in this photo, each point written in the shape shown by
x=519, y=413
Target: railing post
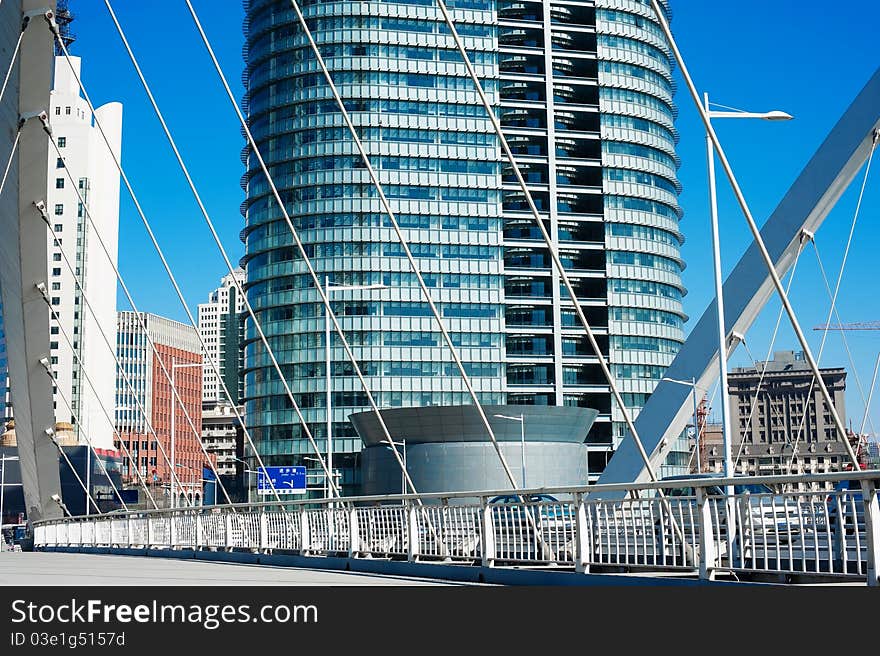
x=354, y=538
x=487, y=546
x=172, y=531
x=228, y=539
x=304, y=537
x=412, y=526
x=707, y=535
x=583, y=537
x=200, y=531
x=264, y=530
x=872, y=530
x=128, y=529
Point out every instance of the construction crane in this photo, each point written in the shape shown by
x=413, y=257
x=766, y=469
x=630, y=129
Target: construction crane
x=859, y=325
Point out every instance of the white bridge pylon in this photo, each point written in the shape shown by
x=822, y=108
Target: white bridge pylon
x=749, y=286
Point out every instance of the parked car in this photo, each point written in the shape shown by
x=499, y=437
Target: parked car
x=551, y=512
x=846, y=507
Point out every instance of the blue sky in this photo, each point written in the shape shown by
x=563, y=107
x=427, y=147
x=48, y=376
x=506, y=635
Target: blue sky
x=750, y=54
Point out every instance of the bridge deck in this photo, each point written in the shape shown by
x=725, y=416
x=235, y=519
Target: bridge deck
x=39, y=568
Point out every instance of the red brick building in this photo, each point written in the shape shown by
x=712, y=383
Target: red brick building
x=149, y=404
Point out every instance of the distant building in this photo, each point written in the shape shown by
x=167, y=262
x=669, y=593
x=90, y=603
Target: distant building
x=176, y=344
x=221, y=329
x=584, y=93
x=223, y=438
x=89, y=162
x=780, y=428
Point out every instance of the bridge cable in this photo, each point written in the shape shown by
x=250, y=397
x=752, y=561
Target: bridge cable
x=398, y=232
x=11, y=157
x=59, y=40
x=832, y=311
x=239, y=289
x=763, y=372
x=87, y=215
x=496, y=125
x=76, y=418
x=753, y=227
x=50, y=433
x=321, y=292
x=842, y=332
x=119, y=367
x=553, y=254
x=870, y=397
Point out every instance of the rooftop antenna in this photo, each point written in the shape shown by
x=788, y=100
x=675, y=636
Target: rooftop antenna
x=64, y=17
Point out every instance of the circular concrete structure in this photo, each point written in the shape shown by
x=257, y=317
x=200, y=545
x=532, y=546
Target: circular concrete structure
x=449, y=450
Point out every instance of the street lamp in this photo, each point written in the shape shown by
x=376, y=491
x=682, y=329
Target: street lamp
x=57, y=499
x=336, y=475
x=3, y=460
x=174, y=367
x=522, y=430
x=329, y=288
x=691, y=383
x=247, y=470
x=726, y=427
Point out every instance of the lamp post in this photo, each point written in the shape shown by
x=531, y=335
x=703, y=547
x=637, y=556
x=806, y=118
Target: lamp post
x=692, y=383
x=726, y=427
x=247, y=470
x=3, y=461
x=329, y=288
x=522, y=430
x=174, y=367
x=326, y=483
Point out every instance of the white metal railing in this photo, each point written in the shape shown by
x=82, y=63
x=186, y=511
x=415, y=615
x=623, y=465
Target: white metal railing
x=600, y=528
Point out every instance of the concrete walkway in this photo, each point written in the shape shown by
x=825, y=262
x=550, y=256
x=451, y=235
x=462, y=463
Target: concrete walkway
x=41, y=568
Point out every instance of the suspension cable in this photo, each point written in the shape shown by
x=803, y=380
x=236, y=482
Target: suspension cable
x=333, y=490
x=753, y=227
x=76, y=418
x=843, y=336
x=553, y=251
x=54, y=28
x=52, y=438
x=107, y=342
x=103, y=334
x=318, y=287
x=754, y=403
x=400, y=236
x=832, y=311
x=870, y=397
x=11, y=157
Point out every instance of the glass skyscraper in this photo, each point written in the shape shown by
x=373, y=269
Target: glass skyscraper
x=584, y=94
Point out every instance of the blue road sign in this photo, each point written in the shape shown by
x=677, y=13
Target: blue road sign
x=285, y=480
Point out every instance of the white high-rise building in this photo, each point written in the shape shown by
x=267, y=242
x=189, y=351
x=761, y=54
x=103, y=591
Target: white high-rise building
x=220, y=329
x=87, y=158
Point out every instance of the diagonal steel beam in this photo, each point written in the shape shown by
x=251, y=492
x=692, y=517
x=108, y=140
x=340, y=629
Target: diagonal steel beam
x=749, y=286
x=23, y=254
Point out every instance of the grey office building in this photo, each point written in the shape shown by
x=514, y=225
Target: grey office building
x=584, y=92
x=781, y=423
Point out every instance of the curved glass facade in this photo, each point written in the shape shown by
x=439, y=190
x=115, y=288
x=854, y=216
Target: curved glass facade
x=584, y=94
x=641, y=200
x=431, y=144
